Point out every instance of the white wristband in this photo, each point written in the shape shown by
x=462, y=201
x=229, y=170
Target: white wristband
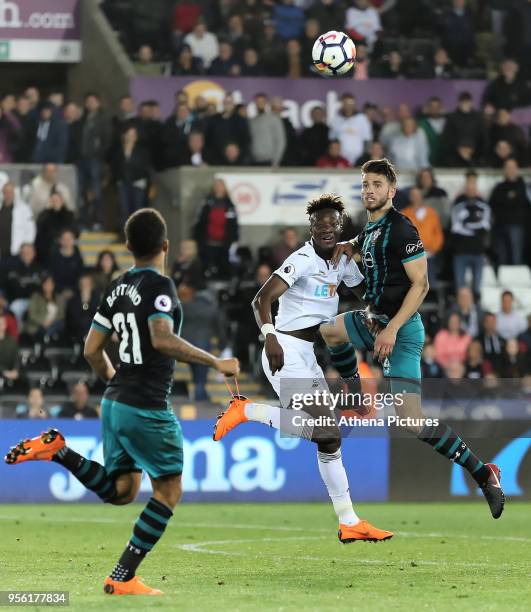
x=268, y=328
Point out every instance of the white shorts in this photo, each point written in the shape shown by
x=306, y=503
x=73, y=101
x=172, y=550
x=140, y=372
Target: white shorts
x=300, y=374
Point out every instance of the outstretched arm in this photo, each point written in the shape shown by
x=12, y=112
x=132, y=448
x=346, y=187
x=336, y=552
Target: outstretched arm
x=166, y=342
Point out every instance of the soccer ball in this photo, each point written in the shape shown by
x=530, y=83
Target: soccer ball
x=333, y=53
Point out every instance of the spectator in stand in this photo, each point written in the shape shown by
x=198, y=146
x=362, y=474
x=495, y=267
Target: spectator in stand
x=203, y=44
x=26, y=133
x=272, y=51
x=232, y=155
x=177, y=128
x=42, y=187
x=508, y=90
x=11, y=321
x=125, y=117
x=352, y=129
x=476, y=367
x=294, y=59
x=79, y=407
x=216, y=230
x=289, y=19
x=21, y=277
x=312, y=30
x=390, y=66
x=434, y=195
x=492, y=343
x=96, y=134
x=432, y=124
x=72, y=115
x=185, y=16
x=314, y=139
x=196, y=150
x=51, y=137
x=440, y=66
x=46, y=311
x=470, y=314
x=9, y=136
x=236, y=36
x=34, y=97
x=330, y=14
x=130, y=170
x=35, y=406
x=189, y=264
x=428, y=224
x=362, y=65
x=504, y=129
x=510, y=206
x=518, y=34
x=144, y=65
x=409, y=149
x=503, y=151
x=185, y=64
x=201, y=322
x=451, y=342
x=66, y=264
x=375, y=151
x=470, y=227
x=458, y=33
x=465, y=136
x=50, y=223
x=224, y=127
x=333, y=158
x=251, y=65
x=510, y=323
x=289, y=243
x=429, y=366
x=514, y=364
x=268, y=136
x=17, y=225
x=291, y=155
x=393, y=123
x=80, y=309
x=105, y=271
x=9, y=364
x=225, y=63
x=363, y=22
x=150, y=130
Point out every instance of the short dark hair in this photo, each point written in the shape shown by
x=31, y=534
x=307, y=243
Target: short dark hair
x=507, y=292
x=145, y=231
x=381, y=166
x=326, y=200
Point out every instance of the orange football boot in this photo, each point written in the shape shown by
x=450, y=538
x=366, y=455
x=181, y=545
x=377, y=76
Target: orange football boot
x=232, y=417
x=135, y=586
x=40, y=448
x=362, y=532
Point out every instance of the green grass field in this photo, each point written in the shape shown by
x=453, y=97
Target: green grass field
x=277, y=557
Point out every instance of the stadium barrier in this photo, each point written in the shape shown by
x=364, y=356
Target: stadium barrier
x=256, y=464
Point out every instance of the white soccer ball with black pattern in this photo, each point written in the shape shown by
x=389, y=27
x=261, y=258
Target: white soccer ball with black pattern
x=333, y=53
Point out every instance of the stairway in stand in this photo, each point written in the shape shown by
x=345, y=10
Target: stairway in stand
x=92, y=243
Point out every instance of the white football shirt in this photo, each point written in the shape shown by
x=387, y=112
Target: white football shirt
x=312, y=295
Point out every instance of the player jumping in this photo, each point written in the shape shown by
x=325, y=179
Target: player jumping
x=306, y=287
x=395, y=270
x=140, y=431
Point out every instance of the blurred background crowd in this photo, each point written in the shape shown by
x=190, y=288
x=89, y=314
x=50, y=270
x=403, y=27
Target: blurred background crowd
x=475, y=241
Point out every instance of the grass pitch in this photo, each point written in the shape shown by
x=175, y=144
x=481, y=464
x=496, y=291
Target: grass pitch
x=277, y=557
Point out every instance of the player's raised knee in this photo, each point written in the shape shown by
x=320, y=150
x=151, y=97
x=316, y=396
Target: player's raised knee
x=330, y=334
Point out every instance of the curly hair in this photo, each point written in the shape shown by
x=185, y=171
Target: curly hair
x=326, y=200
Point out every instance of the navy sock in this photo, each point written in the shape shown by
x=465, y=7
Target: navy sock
x=90, y=473
x=344, y=360
x=147, y=531
x=447, y=443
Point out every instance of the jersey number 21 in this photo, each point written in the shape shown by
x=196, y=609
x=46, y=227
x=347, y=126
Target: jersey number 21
x=127, y=330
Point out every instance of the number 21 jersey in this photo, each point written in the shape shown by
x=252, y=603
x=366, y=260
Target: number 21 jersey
x=144, y=376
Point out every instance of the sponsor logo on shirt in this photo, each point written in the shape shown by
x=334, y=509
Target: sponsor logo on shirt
x=413, y=246
x=163, y=303
x=325, y=290
x=289, y=269
x=367, y=259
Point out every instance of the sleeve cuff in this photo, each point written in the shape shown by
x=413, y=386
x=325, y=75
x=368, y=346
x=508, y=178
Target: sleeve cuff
x=416, y=256
x=157, y=315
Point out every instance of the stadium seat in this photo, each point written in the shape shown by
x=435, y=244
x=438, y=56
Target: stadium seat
x=514, y=276
x=490, y=298
x=489, y=277
x=523, y=299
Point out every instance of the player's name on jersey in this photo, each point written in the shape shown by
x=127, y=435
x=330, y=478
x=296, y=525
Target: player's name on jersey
x=122, y=290
x=301, y=420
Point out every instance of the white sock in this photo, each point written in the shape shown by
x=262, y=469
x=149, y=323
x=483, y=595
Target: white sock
x=279, y=418
x=334, y=476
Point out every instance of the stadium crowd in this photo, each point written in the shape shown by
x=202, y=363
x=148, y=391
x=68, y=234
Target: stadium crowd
x=395, y=38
